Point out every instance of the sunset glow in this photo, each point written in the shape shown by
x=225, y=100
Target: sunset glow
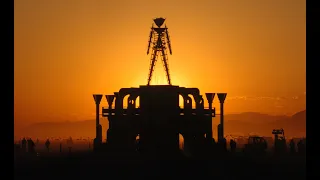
x=65, y=51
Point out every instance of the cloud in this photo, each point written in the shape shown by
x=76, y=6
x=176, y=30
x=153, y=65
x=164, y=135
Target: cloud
x=278, y=104
x=236, y=97
x=254, y=98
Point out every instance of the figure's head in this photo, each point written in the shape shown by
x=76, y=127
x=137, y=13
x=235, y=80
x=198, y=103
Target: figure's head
x=159, y=21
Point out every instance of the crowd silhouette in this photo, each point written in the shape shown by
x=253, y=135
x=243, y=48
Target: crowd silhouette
x=218, y=154
x=255, y=144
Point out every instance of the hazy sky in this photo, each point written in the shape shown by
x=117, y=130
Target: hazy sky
x=66, y=50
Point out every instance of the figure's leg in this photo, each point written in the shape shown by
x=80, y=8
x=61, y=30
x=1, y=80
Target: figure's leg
x=165, y=64
x=152, y=64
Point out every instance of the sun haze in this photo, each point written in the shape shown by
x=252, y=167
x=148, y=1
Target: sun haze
x=67, y=50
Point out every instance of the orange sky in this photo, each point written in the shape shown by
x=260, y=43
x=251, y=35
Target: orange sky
x=67, y=50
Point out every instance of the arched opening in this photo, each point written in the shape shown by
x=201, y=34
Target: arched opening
x=137, y=102
x=125, y=101
x=193, y=101
x=181, y=101
x=181, y=142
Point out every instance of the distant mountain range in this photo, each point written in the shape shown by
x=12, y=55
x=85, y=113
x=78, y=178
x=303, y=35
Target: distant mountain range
x=263, y=124
x=235, y=124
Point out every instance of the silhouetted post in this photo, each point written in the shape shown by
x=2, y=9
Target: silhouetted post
x=60, y=147
x=98, y=139
x=99, y=134
x=110, y=99
x=210, y=97
x=219, y=133
x=222, y=97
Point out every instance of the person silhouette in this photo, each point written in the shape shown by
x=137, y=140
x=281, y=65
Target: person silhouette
x=24, y=145
x=233, y=145
x=137, y=145
x=70, y=142
x=31, y=146
x=60, y=147
x=47, y=144
x=224, y=144
x=301, y=146
x=292, y=146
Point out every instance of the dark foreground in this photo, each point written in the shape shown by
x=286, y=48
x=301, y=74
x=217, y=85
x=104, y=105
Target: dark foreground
x=89, y=165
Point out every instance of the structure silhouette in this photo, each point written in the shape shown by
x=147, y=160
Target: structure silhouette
x=159, y=119
x=280, y=145
x=158, y=40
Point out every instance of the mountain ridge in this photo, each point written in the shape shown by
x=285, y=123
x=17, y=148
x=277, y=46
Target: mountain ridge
x=243, y=123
